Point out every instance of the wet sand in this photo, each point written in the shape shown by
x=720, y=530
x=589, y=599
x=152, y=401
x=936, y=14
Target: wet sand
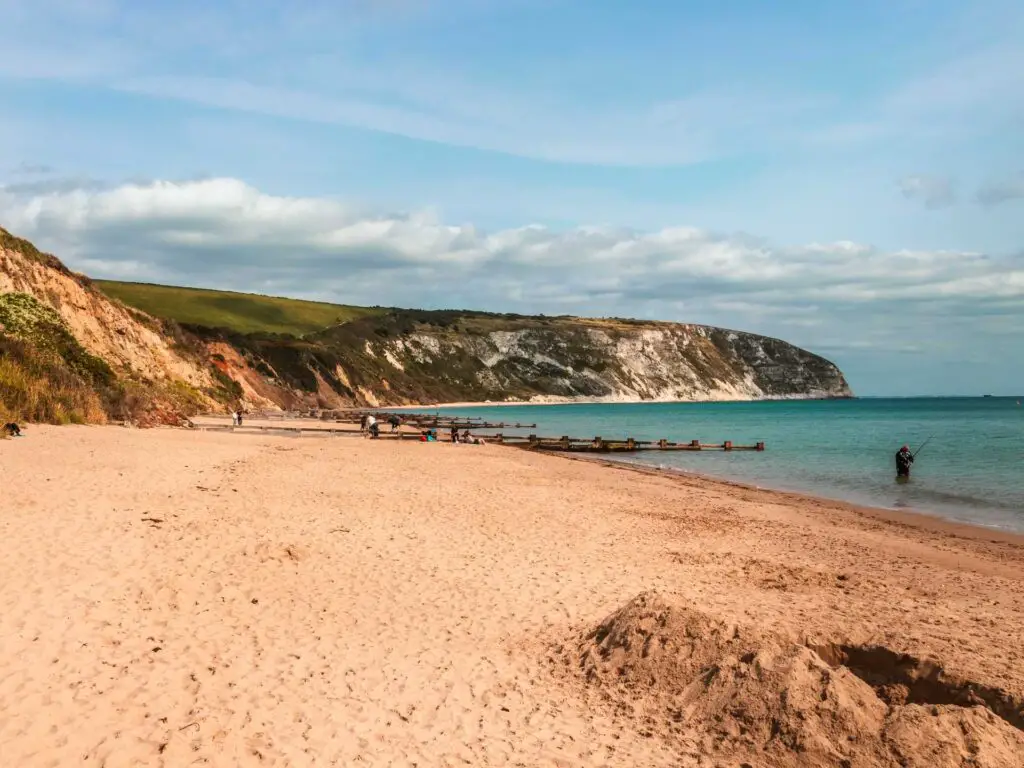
x=179, y=597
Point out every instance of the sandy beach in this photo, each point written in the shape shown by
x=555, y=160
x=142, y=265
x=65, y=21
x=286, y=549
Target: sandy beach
x=179, y=597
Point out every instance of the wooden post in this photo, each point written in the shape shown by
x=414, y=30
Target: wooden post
x=565, y=442
x=728, y=445
x=695, y=445
x=760, y=446
x=532, y=439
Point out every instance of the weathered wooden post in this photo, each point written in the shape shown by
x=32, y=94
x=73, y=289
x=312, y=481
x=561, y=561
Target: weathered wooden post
x=499, y=438
x=532, y=439
x=695, y=445
x=598, y=443
x=728, y=445
x=565, y=442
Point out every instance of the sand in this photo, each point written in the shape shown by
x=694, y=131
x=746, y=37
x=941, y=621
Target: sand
x=175, y=598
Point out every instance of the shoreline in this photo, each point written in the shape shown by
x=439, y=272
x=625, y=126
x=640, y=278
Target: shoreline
x=909, y=512
x=601, y=401
x=790, y=494
x=990, y=507
x=921, y=519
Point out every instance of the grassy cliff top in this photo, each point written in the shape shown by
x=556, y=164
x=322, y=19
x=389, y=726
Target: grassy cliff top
x=241, y=312
x=253, y=313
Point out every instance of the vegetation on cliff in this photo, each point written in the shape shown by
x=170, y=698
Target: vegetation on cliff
x=46, y=375
x=239, y=312
x=69, y=354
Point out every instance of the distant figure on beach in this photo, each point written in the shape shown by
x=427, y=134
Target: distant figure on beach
x=904, y=458
x=371, y=424
x=12, y=429
x=236, y=418
x=468, y=439
x=362, y=423
x=394, y=421
x=455, y=434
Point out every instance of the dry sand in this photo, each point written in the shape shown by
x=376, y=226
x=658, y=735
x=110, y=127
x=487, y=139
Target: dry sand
x=183, y=598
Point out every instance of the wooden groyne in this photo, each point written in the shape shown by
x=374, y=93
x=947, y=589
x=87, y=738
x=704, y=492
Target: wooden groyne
x=425, y=420
x=415, y=420
x=531, y=442
x=603, y=445
x=415, y=425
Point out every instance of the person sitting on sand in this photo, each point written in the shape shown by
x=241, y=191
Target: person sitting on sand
x=12, y=429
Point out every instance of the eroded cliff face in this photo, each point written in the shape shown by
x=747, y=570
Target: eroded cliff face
x=476, y=358
x=147, y=372
x=124, y=337
x=576, y=360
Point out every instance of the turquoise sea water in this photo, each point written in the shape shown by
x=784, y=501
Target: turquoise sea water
x=972, y=469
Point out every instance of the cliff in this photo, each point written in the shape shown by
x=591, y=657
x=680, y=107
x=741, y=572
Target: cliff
x=69, y=353
x=408, y=356
x=74, y=352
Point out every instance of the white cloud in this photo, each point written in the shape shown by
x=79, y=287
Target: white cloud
x=226, y=233
x=933, y=191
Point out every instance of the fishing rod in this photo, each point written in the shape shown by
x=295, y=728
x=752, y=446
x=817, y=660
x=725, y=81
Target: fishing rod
x=914, y=454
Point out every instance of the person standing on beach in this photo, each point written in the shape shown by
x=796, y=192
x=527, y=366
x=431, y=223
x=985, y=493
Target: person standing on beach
x=904, y=458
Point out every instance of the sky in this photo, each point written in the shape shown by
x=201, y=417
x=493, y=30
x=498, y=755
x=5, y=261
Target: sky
x=845, y=176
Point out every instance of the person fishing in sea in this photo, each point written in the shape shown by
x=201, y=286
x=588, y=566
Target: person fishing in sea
x=904, y=459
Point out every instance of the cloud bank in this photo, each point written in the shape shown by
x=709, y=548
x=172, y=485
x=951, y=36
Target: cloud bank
x=226, y=231
x=839, y=298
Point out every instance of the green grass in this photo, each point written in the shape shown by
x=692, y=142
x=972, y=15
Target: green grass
x=241, y=312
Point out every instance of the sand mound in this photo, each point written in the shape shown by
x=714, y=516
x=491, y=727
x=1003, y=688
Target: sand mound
x=738, y=691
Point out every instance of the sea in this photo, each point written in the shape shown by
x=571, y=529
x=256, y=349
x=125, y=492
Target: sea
x=970, y=468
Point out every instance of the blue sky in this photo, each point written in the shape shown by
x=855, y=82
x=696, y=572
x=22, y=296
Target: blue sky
x=847, y=176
